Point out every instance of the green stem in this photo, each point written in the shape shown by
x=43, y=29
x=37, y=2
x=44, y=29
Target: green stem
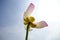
x=27, y=31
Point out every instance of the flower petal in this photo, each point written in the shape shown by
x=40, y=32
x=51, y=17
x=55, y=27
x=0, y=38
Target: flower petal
x=41, y=24
x=29, y=10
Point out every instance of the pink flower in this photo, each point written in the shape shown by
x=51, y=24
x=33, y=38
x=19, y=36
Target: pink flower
x=27, y=18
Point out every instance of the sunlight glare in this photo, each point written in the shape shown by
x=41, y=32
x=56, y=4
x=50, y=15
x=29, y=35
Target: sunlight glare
x=47, y=10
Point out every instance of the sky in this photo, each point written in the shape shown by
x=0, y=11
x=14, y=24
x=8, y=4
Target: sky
x=11, y=19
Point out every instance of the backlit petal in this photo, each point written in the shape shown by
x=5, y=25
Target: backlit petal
x=29, y=10
x=41, y=24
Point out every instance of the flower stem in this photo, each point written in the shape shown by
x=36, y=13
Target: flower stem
x=27, y=31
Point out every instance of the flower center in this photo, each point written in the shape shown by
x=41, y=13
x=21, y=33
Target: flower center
x=31, y=19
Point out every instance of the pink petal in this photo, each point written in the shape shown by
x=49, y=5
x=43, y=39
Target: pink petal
x=42, y=24
x=29, y=10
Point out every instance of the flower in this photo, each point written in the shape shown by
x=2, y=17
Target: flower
x=27, y=18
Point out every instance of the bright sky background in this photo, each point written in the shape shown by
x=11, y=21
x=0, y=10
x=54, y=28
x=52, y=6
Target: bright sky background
x=11, y=22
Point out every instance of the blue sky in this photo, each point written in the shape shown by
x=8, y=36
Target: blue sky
x=11, y=23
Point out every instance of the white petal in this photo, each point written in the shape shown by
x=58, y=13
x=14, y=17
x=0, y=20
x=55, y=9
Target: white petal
x=29, y=10
x=41, y=24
